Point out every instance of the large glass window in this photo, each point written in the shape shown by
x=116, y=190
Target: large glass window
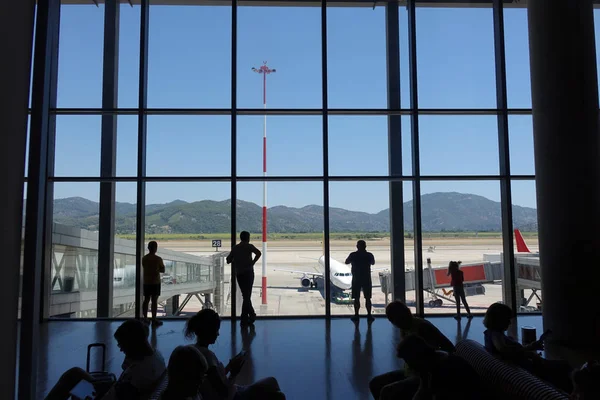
x=520, y=131
x=358, y=146
x=72, y=277
x=461, y=221
x=292, y=263
x=458, y=145
x=527, y=257
x=184, y=219
x=356, y=57
x=188, y=145
x=77, y=146
x=189, y=56
x=455, y=58
x=288, y=40
x=124, y=261
x=196, y=152
x=81, y=56
x=294, y=145
x=516, y=47
x=358, y=211
x=129, y=55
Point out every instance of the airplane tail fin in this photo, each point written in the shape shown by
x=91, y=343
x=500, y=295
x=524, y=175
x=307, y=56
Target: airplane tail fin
x=521, y=245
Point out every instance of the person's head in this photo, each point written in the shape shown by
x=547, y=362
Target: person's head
x=361, y=245
x=132, y=339
x=245, y=236
x=399, y=314
x=454, y=265
x=586, y=382
x=187, y=369
x=152, y=247
x=204, y=326
x=497, y=317
x=417, y=354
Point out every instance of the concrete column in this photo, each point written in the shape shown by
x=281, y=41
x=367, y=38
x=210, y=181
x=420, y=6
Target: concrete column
x=16, y=38
x=567, y=160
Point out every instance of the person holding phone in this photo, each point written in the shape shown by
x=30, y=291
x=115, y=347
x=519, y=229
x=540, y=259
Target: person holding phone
x=220, y=382
x=497, y=320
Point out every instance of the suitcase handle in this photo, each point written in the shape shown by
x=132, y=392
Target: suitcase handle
x=89, y=349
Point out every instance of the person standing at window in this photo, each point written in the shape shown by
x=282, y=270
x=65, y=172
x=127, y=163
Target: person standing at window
x=243, y=266
x=153, y=266
x=361, y=261
x=458, y=287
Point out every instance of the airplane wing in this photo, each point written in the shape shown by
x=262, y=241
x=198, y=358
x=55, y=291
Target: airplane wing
x=299, y=272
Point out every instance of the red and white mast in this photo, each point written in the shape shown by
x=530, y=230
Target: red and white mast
x=264, y=70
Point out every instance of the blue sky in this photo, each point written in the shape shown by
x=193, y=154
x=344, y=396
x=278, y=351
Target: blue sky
x=190, y=66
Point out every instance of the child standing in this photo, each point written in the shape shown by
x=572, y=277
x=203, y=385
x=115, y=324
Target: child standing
x=459, y=290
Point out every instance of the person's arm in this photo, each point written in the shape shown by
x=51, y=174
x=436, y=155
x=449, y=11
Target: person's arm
x=216, y=382
x=230, y=256
x=257, y=253
x=372, y=259
x=349, y=259
x=432, y=334
x=507, y=348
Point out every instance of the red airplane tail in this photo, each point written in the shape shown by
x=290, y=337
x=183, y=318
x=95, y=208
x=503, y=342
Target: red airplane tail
x=521, y=246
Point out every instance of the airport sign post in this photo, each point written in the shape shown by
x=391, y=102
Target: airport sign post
x=216, y=244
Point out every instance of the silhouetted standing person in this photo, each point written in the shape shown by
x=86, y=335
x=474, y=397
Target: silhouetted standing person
x=153, y=266
x=459, y=289
x=243, y=265
x=361, y=261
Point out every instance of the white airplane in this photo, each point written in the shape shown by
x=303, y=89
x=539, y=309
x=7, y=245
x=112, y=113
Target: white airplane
x=340, y=274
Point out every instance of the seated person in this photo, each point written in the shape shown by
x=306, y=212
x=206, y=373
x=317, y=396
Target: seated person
x=220, y=382
x=142, y=368
x=586, y=382
x=497, y=320
x=401, y=317
x=187, y=369
x=441, y=375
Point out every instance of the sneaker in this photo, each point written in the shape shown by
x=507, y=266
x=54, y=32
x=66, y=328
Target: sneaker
x=370, y=318
x=157, y=323
x=244, y=324
x=252, y=319
x=457, y=317
x=469, y=316
x=354, y=318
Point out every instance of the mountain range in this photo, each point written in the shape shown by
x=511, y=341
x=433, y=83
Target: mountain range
x=443, y=211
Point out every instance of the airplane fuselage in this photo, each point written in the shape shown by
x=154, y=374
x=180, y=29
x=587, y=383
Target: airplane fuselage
x=340, y=274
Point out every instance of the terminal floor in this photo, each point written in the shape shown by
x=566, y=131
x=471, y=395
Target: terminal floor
x=311, y=358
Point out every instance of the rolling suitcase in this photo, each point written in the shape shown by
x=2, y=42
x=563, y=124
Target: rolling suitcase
x=103, y=379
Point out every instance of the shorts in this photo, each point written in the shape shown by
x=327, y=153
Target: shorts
x=459, y=291
x=361, y=283
x=152, y=290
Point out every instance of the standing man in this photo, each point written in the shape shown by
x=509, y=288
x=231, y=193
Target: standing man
x=243, y=266
x=361, y=261
x=153, y=266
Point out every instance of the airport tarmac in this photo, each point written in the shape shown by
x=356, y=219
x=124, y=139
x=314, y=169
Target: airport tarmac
x=285, y=296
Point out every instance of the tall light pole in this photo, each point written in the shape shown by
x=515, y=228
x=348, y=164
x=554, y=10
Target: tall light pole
x=264, y=70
